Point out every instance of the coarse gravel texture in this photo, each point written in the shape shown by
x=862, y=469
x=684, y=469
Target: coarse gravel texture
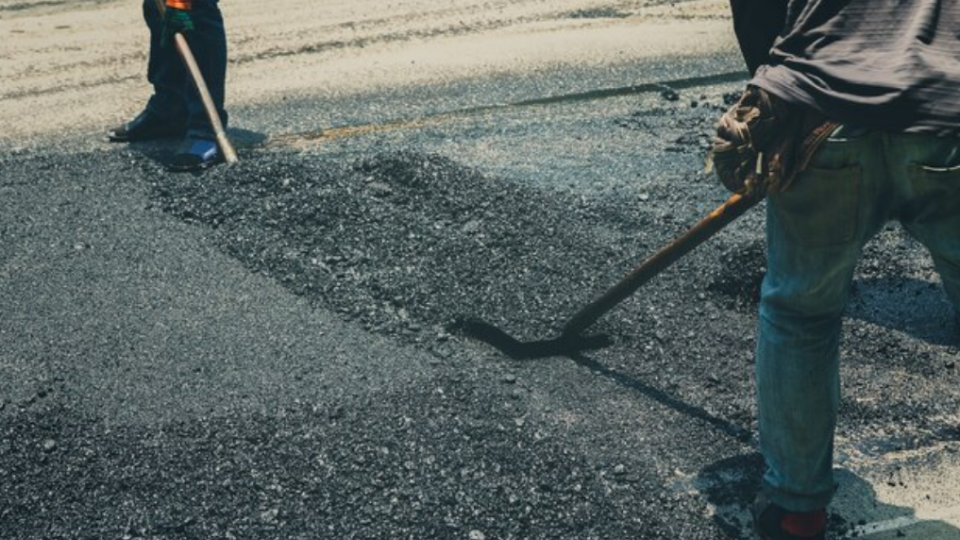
x=410, y=244
x=636, y=440
x=442, y=463
x=474, y=453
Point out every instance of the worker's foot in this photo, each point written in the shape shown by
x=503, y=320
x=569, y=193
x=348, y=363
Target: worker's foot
x=145, y=127
x=196, y=154
x=774, y=523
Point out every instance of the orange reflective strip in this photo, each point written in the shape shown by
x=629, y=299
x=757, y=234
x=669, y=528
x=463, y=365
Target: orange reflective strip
x=186, y=5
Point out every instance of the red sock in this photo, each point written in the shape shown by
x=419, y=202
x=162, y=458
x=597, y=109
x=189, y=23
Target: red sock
x=806, y=524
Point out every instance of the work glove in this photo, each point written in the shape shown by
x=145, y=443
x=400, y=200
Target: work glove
x=177, y=18
x=763, y=143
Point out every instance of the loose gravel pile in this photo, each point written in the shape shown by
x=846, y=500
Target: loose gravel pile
x=407, y=245
x=402, y=241
x=410, y=244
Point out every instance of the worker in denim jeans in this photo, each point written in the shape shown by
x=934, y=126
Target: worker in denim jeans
x=858, y=180
x=175, y=109
x=882, y=77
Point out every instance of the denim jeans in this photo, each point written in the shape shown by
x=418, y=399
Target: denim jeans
x=175, y=96
x=858, y=181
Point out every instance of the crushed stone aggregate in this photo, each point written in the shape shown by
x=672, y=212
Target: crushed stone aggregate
x=406, y=244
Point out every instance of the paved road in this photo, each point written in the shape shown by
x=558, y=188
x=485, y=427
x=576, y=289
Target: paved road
x=161, y=378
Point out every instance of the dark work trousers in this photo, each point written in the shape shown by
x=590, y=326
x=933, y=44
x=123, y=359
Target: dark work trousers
x=175, y=96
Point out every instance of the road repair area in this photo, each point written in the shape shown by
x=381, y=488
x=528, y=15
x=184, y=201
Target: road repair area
x=276, y=349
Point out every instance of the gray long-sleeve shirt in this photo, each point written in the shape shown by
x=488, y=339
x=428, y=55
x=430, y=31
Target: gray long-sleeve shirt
x=884, y=64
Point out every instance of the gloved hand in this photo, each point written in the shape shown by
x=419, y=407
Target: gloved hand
x=763, y=142
x=177, y=18
x=745, y=136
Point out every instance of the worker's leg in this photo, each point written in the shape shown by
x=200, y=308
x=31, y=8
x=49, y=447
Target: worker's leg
x=208, y=43
x=165, y=71
x=946, y=256
x=929, y=200
x=815, y=233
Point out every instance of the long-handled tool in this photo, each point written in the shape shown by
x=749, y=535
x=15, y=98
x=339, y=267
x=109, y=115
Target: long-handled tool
x=229, y=154
x=570, y=339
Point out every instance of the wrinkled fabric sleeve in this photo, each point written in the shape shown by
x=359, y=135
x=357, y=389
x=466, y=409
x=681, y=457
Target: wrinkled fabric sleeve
x=757, y=24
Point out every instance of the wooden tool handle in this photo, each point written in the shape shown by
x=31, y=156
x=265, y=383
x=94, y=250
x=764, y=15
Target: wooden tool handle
x=733, y=208
x=229, y=154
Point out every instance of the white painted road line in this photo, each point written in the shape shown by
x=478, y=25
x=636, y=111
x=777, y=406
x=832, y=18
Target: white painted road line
x=882, y=527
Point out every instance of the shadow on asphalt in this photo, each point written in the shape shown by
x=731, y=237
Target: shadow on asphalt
x=732, y=483
x=161, y=151
x=573, y=348
x=912, y=306
x=725, y=426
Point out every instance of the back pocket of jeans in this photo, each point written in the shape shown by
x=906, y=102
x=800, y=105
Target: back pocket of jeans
x=935, y=194
x=821, y=208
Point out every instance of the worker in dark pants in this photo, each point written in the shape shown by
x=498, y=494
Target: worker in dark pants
x=175, y=109
x=851, y=120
